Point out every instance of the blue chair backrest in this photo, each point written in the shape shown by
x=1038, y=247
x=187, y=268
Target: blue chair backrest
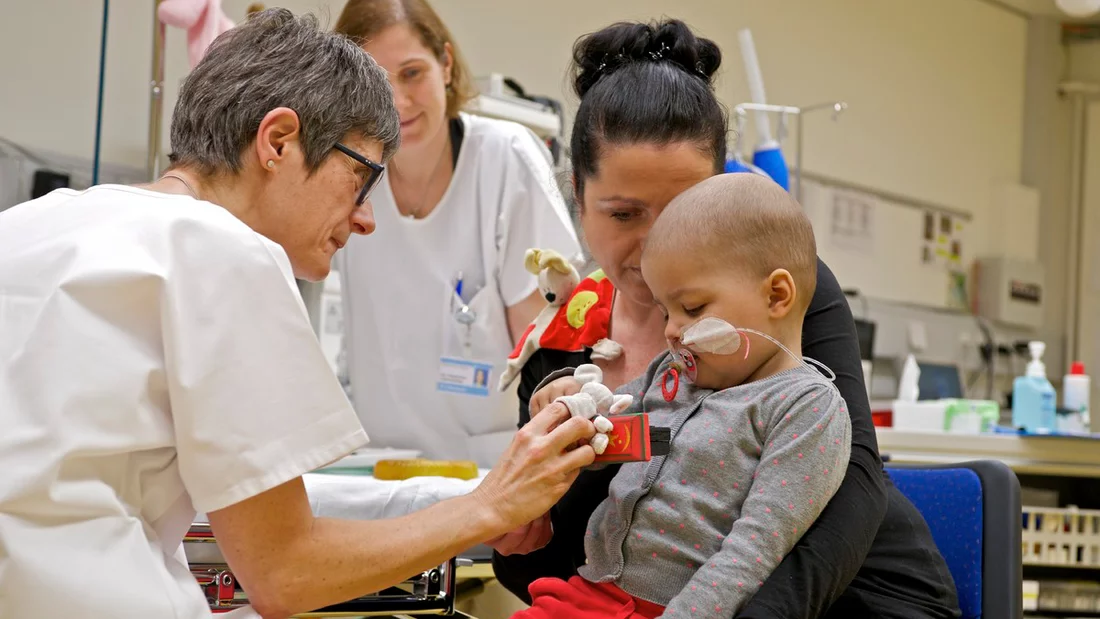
x=951, y=502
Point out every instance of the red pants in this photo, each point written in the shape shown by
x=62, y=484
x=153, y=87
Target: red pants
x=553, y=598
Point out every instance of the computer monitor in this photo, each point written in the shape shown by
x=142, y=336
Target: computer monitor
x=939, y=381
x=865, y=331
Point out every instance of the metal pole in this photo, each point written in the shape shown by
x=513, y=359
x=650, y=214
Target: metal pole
x=99, y=94
x=156, y=97
x=1073, y=257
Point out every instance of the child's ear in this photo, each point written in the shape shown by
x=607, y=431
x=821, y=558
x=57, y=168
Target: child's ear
x=782, y=293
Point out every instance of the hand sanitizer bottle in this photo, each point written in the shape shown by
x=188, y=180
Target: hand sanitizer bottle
x=1033, y=405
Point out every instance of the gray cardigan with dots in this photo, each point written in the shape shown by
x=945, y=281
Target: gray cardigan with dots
x=751, y=468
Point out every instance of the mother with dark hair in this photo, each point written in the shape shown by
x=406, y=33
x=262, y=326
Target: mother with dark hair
x=649, y=126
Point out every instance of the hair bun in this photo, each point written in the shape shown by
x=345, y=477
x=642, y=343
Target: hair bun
x=603, y=52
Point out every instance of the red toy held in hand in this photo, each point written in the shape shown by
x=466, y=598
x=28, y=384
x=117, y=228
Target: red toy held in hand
x=576, y=316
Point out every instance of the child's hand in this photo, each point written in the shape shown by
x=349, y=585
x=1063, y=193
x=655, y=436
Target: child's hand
x=546, y=396
x=526, y=539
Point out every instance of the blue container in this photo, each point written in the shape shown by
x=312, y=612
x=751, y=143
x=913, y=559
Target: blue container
x=771, y=161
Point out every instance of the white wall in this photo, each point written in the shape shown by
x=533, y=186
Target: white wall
x=1084, y=66
x=1084, y=62
x=49, y=65
x=934, y=84
x=1045, y=166
x=1088, y=341
x=935, y=87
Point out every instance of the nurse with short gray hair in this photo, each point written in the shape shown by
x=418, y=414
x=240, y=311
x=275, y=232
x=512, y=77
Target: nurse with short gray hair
x=156, y=359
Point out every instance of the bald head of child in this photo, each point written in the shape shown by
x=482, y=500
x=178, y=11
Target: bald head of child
x=742, y=227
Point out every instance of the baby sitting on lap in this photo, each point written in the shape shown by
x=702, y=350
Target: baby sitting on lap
x=760, y=438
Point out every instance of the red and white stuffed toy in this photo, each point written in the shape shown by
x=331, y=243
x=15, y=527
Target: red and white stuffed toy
x=576, y=317
x=557, y=279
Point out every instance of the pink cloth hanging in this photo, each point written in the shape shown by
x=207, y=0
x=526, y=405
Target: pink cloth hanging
x=203, y=20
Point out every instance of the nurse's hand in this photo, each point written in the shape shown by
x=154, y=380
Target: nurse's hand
x=544, y=397
x=528, y=538
x=537, y=468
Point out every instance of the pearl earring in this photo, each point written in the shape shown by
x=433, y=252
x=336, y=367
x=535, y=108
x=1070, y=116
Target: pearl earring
x=270, y=163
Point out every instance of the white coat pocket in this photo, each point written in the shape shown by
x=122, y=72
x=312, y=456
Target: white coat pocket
x=476, y=344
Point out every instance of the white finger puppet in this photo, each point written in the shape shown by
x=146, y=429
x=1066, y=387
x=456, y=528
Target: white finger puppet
x=595, y=401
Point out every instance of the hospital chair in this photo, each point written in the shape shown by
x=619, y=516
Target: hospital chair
x=429, y=593
x=973, y=510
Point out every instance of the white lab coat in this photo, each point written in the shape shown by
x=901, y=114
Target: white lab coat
x=155, y=359
x=398, y=286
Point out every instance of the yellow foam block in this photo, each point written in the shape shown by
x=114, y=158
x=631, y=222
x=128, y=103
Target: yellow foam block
x=390, y=470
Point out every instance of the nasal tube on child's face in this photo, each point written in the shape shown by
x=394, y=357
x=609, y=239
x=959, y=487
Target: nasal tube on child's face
x=712, y=335
x=716, y=336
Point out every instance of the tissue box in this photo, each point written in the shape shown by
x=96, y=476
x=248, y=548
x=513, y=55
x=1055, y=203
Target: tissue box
x=971, y=416
x=920, y=416
x=950, y=415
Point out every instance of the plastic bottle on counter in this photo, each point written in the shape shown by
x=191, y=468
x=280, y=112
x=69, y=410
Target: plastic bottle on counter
x=1075, y=397
x=1033, y=398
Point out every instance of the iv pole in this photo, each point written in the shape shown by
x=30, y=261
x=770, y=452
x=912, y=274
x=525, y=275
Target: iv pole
x=156, y=96
x=99, y=94
x=741, y=112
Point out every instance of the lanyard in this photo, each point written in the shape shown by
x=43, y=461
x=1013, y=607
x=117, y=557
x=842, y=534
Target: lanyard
x=463, y=314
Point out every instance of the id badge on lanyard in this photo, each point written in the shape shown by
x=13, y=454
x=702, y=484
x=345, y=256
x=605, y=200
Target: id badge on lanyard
x=462, y=374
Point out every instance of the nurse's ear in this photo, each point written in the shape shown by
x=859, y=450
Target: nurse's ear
x=277, y=138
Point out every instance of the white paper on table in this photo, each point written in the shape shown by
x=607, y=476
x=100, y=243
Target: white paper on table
x=358, y=497
x=366, y=498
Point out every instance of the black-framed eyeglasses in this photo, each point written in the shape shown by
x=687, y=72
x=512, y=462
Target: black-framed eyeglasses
x=376, y=171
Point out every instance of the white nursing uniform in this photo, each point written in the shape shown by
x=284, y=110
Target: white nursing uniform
x=155, y=360
x=398, y=286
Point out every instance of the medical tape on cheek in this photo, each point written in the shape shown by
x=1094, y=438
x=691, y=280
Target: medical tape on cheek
x=712, y=335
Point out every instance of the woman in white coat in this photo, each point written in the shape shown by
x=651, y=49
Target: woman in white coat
x=438, y=297
x=156, y=359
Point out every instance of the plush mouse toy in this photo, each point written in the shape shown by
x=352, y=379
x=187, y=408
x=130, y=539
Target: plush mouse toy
x=576, y=317
x=203, y=20
x=557, y=279
x=594, y=401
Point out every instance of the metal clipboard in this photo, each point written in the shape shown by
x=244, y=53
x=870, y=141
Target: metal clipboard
x=431, y=592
